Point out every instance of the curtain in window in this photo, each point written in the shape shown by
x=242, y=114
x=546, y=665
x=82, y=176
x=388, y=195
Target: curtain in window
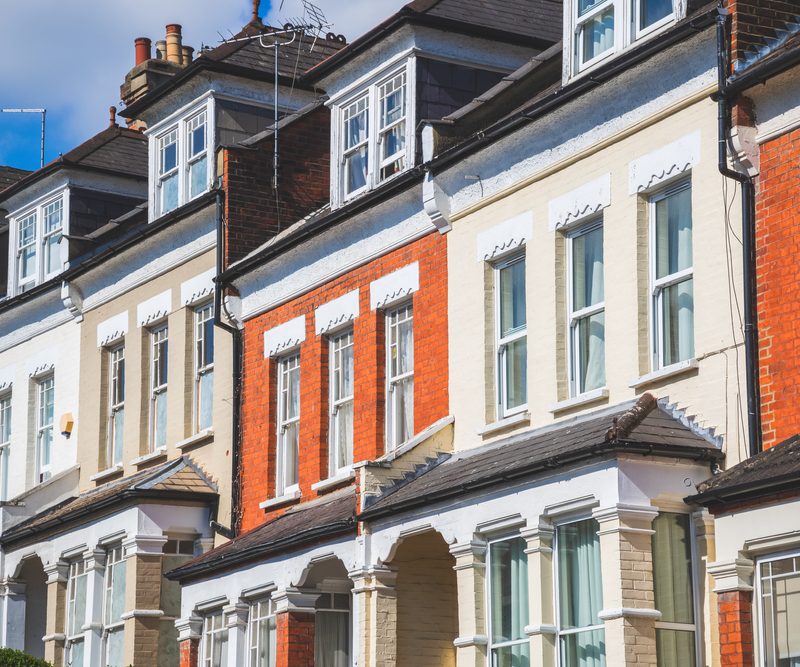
x=76, y=652
x=513, y=318
x=589, y=290
x=598, y=34
x=580, y=594
x=160, y=420
x=206, y=400
x=509, y=603
x=405, y=388
x=115, y=646
x=169, y=193
x=198, y=177
x=332, y=639
x=780, y=605
x=357, y=163
x=344, y=417
x=117, y=439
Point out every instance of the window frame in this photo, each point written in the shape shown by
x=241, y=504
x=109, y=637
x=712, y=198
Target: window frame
x=501, y=342
x=370, y=91
x=253, y=638
x=658, y=285
x=330, y=608
x=108, y=592
x=335, y=355
x=490, y=645
x=116, y=403
x=5, y=440
x=44, y=471
x=77, y=569
x=156, y=390
x=213, y=631
x=285, y=366
x=392, y=438
x=580, y=21
x=200, y=316
x=574, y=317
x=759, y=627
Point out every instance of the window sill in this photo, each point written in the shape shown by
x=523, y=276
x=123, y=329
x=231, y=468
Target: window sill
x=664, y=373
x=502, y=424
x=579, y=401
x=332, y=482
x=160, y=453
x=103, y=475
x=285, y=499
x=199, y=438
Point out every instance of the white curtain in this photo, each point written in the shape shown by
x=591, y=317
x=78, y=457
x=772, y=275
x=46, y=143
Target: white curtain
x=161, y=420
x=598, y=34
x=332, y=639
x=509, y=602
x=344, y=417
x=205, y=418
x=356, y=129
x=589, y=290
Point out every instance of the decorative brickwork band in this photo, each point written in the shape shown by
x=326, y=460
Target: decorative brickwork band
x=736, y=628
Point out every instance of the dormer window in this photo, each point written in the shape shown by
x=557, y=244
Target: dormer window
x=38, y=232
x=602, y=27
x=374, y=135
x=181, y=161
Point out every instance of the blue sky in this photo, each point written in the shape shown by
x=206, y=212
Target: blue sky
x=73, y=60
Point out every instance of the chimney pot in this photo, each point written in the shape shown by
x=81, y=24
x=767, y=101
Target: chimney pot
x=256, y=4
x=174, y=47
x=187, y=54
x=142, y=45
x=112, y=116
x=161, y=49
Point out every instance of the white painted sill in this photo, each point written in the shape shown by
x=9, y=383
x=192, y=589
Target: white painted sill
x=337, y=480
x=200, y=438
x=664, y=373
x=502, y=424
x=105, y=474
x=160, y=453
x=286, y=498
x=579, y=401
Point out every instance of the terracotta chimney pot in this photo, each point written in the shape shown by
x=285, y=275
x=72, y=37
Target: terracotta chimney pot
x=256, y=4
x=187, y=54
x=174, y=47
x=112, y=115
x=142, y=45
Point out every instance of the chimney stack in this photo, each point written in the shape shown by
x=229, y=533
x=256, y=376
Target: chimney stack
x=112, y=116
x=142, y=49
x=256, y=4
x=174, y=45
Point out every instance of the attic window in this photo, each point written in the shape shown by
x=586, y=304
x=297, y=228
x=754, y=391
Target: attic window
x=38, y=232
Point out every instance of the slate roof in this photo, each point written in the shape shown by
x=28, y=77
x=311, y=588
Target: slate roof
x=115, y=150
x=178, y=479
x=10, y=175
x=773, y=471
x=330, y=515
x=646, y=426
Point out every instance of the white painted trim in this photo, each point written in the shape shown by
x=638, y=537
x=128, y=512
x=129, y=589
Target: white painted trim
x=505, y=237
x=201, y=437
x=410, y=444
x=336, y=313
x=474, y=640
x=6, y=378
x=580, y=203
x=629, y=612
x=335, y=480
x=653, y=169
x=40, y=364
x=572, y=506
x=394, y=287
x=586, y=398
x=284, y=337
x=541, y=629
x=280, y=500
x=501, y=525
x=150, y=456
x=664, y=373
x=112, y=330
x=104, y=474
x=154, y=309
x=508, y=422
x=141, y=613
x=198, y=288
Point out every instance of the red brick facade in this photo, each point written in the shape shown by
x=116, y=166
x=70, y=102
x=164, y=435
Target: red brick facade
x=189, y=653
x=753, y=21
x=736, y=628
x=294, y=640
x=259, y=382
x=777, y=249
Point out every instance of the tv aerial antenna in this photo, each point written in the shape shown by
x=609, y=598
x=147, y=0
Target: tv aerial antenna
x=43, y=112
x=313, y=22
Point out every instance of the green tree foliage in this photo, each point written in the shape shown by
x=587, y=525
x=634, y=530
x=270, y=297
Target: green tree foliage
x=11, y=658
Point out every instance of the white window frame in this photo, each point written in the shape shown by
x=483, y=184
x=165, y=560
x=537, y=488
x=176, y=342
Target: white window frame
x=77, y=569
x=697, y=606
x=180, y=123
x=501, y=342
x=286, y=365
x=212, y=631
x=657, y=285
x=157, y=387
x=370, y=90
x=330, y=608
x=44, y=471
x=5, y=442
x=758, y=629
x=580, y=21
x=115, y=556
x=574, y=317
x=36, y=211
x=256, y=616
x=490, y=646
x=116, y=401
x=556, y=583
x=337, y=344
x=394, y=381
x=202, y=365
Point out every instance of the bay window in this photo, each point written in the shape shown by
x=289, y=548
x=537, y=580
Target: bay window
x=262, y=634
x=168, y=170
x=778, y=598
x=511, y=331
x=76, y=613
x=508, y=603
x=38, y=243
x=673, y=581
x=116, y=406
x=332, y=630
x=399, y=376
x=586, y=310
x=672, y=283
x=288, y=424
x=5, y=443
x=340, y=437
x=114, y=607
x=579, y=595
x=374, y=135
x=203, y=367
x=45, y=410
x=159, y=367
x=214, y=648
x=197, y=155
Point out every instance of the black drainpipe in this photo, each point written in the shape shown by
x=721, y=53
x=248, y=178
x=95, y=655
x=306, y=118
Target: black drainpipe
x=748, y=238
x=236, y=338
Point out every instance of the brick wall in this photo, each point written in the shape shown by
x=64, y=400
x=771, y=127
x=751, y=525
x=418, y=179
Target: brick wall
x=253, y=210
x=754, y=21
x=190, y=652
x=259, y=382
x=777, y=251
x=294, y=640
x=735, y=628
